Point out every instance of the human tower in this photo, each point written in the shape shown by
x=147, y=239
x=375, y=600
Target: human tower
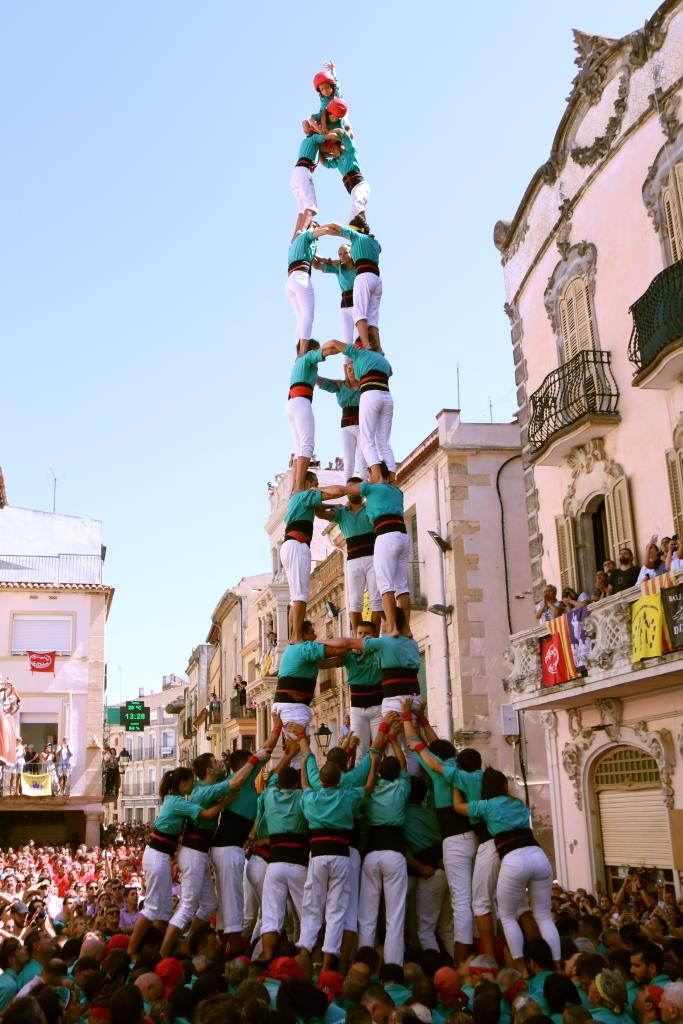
x=466, y=841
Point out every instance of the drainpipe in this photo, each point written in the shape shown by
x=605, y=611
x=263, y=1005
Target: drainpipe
x=444, y=625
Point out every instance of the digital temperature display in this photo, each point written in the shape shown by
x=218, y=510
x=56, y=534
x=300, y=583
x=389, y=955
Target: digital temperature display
x=135, y=716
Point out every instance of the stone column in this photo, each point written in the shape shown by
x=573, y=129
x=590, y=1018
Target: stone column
x=93, y=819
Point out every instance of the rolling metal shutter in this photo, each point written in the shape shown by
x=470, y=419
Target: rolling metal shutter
x=635, y=828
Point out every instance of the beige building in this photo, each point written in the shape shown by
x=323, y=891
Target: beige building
x=148, y=755
x=594, y=287
x=53, y=599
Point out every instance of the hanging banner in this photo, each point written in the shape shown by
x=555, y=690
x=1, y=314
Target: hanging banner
x=648, y=628
x=42, y=661
x=672, y=599
x=657, y=583
x=35, y=784
x=557, y=656
x=580, y=643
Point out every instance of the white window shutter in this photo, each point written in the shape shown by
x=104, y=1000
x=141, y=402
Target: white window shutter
x=576, y=319
x=672, y=216
x=619, y=518
x=566, y=552
x=673, y=472
x=42, y=633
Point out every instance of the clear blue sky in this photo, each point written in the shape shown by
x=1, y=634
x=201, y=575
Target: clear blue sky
x=146, y=213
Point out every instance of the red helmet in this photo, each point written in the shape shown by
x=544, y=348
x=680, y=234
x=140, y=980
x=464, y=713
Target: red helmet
x=337, y=107
x=322, y=77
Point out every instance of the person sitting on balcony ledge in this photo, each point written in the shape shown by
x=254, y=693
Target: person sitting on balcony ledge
x=549, y=607
x=626, y=575
x=653, y=565
x=573, y=600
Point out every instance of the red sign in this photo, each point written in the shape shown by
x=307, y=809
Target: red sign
x=553, y=664
x=42, y=661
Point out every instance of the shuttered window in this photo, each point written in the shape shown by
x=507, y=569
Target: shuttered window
x=674, y=472
x=619, y=518
x=672, y=202
x=576, y=319
x=42, y=633
x=635, y=828
x=566, y=552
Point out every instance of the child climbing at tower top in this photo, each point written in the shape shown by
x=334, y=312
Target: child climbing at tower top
x=326, y=85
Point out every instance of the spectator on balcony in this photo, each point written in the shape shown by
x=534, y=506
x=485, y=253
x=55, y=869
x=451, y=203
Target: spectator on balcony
x=31, y=758
x=570, y=599
x=603, y=587
x=63, y=764
x=549, y=607
x=674, y=556
x=609, y=566
x=654, y=564
x=17, y=769
x=240, y=688
x=627, y=574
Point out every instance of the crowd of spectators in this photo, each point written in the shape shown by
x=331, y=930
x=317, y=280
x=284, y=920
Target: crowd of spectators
x=67, y=913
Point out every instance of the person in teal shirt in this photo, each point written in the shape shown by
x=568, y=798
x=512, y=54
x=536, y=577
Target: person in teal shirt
x=13, y=957
x=301, y=180
x=295, y=553
x=384, y=866
x=424, y=859
x=345, y=272
x=299, y=287
x=299, y=409
x=342, y=155
x=347, y=393
x=367, y=287
x=354, y=523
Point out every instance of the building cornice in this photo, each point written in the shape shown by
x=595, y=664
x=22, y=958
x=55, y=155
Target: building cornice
x=60, y=588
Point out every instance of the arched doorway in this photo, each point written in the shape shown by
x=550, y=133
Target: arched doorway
x=592, y=546
x=634, y=823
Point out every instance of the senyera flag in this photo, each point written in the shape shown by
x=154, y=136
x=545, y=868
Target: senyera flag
x=557, y=658
x=42, y=661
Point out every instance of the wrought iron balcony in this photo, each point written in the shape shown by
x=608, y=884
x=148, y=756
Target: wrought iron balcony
x=573, y=404
x=240, y=710
x=656, y=345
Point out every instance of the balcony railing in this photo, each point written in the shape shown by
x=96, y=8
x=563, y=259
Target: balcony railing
x=11, y=783
x=583, y=386
x=657, y=318
x=50, y=569
x=238, y=710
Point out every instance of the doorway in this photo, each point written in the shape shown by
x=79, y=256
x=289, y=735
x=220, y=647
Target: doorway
x=592, y=542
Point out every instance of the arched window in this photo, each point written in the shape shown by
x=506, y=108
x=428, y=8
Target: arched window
x=672, y=204
x=576, y=320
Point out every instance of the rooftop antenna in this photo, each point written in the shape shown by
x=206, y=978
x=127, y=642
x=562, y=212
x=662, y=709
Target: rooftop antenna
x=54, y=489
x=490, y=409
x=457, y=377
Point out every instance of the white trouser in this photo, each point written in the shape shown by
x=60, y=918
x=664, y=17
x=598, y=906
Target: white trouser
x=354, y=463
x=360, y=576
x=228, y=866
x=392, y=551
x=282, y=880
x=347, y=327
x=375, y=413
x=364, y=725
x=485, y=878
x=351, y=918
x=197, y=898
x=156, y=867
x=367, y=294
x=360, y=194
x=458, y=861
x=302, y=422
x=296, y=561
x=299, y=291
x=327, y=890
x=293, y=714
x=301, y=184
x=433, y=911
x=254, y=875
x=529, y=868
x=383, y=869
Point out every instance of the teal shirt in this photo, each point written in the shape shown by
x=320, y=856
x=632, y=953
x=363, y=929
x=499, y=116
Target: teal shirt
x=174, y=812
x=206, y=795
x=443, y=791
x=606, y=1016
x=501, y=813
x=245, y=803
x=422, y=826
x=305, y=370
x=345, y=275
x=382, y=500
x=282, y=809
x=29, y=971
x=331, y=808
x=357, y=776
x=8, y=988
x=366, y=361
x=347, y=161
x=363, y=247
x=394, y=651
x=347, y=397
x=301, y=506
x=303, y=247
x=352, y=524
x=535, y=987
x=301, y=660
x=362, y=669
x=308, y=150
x=469, y=783
x=399, y=993
x=386, y=805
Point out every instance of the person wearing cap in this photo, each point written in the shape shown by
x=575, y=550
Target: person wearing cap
x=347, y=392
x=345, y=272
x=375, y=408
x=299, y=287
x=295, y=552
x=330, y=812
x=170, y=971
x=341, y=154
x=299, y=409
x=301, y=180
x=227, y=846
x=367, y=285
x=352, y=519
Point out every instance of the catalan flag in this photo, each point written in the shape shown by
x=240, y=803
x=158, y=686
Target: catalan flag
x=557, y=658
x=657, y=583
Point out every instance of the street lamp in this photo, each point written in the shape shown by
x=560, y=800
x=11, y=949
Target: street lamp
x=323, y=735
x=444, y=610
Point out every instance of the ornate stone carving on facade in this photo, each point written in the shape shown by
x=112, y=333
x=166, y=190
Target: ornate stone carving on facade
x=582, y=461
x=581, y=261
x=506, y=246
x=585, y=156
x=659, y=745
x=610, y=630
x=524, y=659
x=657, y=177
x=611, y=713
x=548, y=721
x=590, y=51
x=647, y=41
x=572, y=761
x=667, y=111
x=575, y=722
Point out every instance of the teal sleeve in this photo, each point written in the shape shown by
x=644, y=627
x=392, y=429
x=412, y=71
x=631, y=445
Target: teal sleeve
x=271, y=783
x=314, y=357
x=358, y=776
x=452, y=774
x=212, y=794
x=192, y=811
x=364, y=488
x=372, y=643
x=327, y=269
x=351, y=351
x=476, y=808
x=430, y=771
x=348, y=233
x=314, y=651
x=313, y=773
x=328, y=385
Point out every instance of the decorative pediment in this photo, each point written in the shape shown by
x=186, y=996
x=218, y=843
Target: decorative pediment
x=580, y=261
x=657, y=177
x=592, y=472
